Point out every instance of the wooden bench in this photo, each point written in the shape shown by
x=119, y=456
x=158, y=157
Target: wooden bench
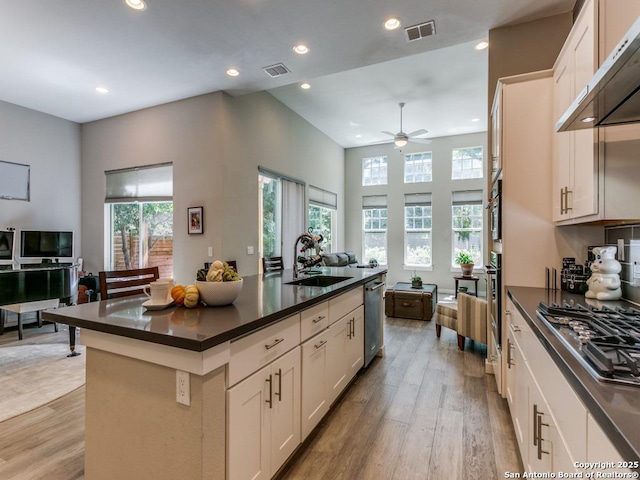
x=28, y=307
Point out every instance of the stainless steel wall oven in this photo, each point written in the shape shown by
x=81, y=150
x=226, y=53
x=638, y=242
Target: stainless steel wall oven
x=495, y=207
x=494, y=295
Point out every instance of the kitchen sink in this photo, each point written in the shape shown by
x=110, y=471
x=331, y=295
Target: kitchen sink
x=320, y=281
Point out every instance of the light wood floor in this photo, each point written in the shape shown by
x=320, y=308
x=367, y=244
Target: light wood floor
x=425, y=411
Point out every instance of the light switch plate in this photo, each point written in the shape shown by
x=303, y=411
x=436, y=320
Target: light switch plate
x=249, y=250
x=210, y=251
x=621, y=249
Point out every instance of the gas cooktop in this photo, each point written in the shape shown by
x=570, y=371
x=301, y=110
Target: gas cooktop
x=606, y=341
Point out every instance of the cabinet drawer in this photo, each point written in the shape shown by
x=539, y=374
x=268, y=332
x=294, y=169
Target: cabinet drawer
x=250, y=353
x=314, y=320
x=345, y=303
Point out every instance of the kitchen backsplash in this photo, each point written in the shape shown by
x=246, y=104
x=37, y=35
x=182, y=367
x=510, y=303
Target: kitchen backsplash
x=631, y=236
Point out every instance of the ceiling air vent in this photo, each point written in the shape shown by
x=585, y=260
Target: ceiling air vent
x=423, y=30
x=276, y=70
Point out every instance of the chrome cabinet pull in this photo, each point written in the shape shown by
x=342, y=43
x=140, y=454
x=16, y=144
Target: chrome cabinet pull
x=321, y=344
x=319, y=319
x=538, y=429
x=566, y=199
x=279, y=392
x=515, y=328
x=509, y=347
x=276, y=342
x=270, y=399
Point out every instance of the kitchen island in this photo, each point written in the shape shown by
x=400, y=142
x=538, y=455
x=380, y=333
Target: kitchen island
x=159, y=383
x=614, y=408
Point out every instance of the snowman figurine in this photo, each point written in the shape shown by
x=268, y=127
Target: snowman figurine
x=604, y=283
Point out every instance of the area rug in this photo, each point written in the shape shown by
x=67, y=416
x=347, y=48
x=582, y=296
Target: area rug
x=32, y=375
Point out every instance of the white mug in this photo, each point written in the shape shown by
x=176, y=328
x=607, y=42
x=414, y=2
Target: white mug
x=158, y=292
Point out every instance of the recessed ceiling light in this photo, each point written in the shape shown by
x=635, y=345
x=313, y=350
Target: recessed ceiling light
x=482, y=45
x=136, y=4
x=101, y=90
x=392, y=23
x=232, y=72
x=358, y=136
x=301, y=49
x=475, y=119
x=305, y=86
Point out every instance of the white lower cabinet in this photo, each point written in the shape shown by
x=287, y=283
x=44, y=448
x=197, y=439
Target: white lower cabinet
x=355, y=342
x=263, y=421
x=315, y=385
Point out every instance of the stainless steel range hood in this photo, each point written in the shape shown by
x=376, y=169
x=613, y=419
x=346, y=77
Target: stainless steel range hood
x=612, y=96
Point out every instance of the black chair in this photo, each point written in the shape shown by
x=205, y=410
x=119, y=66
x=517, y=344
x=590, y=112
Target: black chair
x=272, y=264
x=232, y=263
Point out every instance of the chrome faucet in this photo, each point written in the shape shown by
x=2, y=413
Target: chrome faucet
x=308, y=242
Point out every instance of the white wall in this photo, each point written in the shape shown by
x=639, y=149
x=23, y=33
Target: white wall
x=215, y=143
x=51, y=146
x=441, y=187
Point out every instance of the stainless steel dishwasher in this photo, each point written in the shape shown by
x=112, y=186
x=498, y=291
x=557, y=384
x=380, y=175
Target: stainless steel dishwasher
x=373, y=291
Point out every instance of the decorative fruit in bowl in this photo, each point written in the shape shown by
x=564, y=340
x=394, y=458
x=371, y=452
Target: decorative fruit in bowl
x=219, y=293
x=220, y=285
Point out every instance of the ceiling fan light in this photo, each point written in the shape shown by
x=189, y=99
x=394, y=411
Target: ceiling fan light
x=401, y=142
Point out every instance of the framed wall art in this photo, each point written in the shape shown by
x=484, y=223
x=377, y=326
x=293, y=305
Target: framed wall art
x=195, y=220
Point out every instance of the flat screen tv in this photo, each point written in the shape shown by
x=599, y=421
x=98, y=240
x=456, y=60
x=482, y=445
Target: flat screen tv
x=6, y=246
x=46, y=244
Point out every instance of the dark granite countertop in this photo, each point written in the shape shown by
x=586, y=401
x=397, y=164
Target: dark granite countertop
x=616, y=408
x=264, y=299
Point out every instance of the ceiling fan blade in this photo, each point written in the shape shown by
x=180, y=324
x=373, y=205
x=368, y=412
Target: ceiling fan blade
x=425, y=141
x=417, y=133
x=389, y=133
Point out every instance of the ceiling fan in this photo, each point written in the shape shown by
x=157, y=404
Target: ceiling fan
x=401, y=139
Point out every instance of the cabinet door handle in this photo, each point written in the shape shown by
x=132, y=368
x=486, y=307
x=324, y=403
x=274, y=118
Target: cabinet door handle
x=535, y=425
x=319, y=319
x=353, y=327
x=321, y=344
x=270, y=399
x=538, y=429
x=562, y=210
x=279, y=392
x=515, y=328
x=509, y=347
x=507, y=312
x=276, y=342
x=566, y=199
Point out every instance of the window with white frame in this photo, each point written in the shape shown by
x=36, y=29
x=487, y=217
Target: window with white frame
x=466, y=163
x=417, y=230
x=281, y=212
x=322, y=216
x=374, y=171
x=417, y=167
x=139, y=214
x=374, y=220
x=466, y=221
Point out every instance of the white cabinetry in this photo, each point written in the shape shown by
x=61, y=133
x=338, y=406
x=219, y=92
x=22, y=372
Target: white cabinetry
x=315, y=381
x=587, y=183
x=264, y=419
x=530, y=383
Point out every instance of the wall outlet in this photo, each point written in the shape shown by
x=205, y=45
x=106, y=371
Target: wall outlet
x=210, y=251
x=249, y=250
x=183, y=388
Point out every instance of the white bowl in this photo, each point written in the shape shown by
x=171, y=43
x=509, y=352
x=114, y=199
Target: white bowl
x=219, y=293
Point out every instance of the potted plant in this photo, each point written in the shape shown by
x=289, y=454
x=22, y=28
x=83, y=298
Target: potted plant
x=416, y=281
x=466, y=263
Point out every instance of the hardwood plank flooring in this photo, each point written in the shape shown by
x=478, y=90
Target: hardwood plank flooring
x=425, y=411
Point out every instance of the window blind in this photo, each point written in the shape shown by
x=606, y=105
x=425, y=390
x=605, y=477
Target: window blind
x=411, y=199
x=152, y=183
x=374, y=201
x=322, y=198
x=466, y=197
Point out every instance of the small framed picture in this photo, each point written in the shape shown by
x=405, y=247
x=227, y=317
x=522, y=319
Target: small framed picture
x=196, y=220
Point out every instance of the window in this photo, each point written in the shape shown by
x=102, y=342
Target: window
x=417, y=230
x=417, y=167
x=374, y=171
x=374, y=216
x=466, y=220
x=281, y=214
x=466, y=163
x=322, y=216
x=140, y=217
